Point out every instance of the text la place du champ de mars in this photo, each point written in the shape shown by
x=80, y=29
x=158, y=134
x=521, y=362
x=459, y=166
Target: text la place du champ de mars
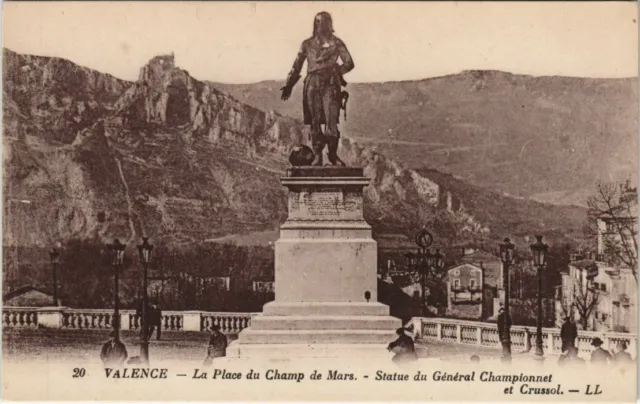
x=436, y=376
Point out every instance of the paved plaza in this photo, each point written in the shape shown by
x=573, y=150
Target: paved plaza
x=84, y=346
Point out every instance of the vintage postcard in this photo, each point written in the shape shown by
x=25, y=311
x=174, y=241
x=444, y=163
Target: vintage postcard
x=320, y=201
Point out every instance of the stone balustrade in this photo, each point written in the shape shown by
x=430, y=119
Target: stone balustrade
x=20, y=317
x=522, y=338
x=435, y=328
x=99, y=319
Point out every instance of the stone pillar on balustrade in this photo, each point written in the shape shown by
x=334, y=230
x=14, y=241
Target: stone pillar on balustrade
x=325, y=276
x=51, y=317
x=191, y=320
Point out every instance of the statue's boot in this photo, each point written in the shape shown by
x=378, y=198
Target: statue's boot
x=318, y=148
x=332, y=146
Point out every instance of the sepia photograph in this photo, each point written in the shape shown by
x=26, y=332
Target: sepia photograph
x=320, y=201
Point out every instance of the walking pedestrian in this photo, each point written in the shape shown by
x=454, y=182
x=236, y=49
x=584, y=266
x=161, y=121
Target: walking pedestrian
x=570, y=357
x=600, y=356
x=504, y=323
x=113, y=353
x=622, y=356
x=568, y=334
x=155, y=320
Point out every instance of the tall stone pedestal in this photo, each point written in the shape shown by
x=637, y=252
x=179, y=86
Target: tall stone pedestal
x=325, y=265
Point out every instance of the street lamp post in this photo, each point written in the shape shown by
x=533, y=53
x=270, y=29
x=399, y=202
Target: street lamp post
x=54, y=254
x=539, y=251
x=425, y=259
x=117, y=258
x=145, y=250
x=424, y=263
x=506, y=256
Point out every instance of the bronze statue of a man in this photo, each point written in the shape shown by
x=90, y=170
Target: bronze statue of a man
x=322, y=95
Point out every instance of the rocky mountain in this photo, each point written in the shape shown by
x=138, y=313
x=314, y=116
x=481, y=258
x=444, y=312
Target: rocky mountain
x=546, y=138
x=90, y=156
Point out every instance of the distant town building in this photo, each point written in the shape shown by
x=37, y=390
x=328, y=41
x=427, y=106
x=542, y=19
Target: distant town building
x=602, y=278
x=464, y=291
x=264, y=284
x=392, y=250
x=472, y=285
x=29, y=296
x=612, y=291
x=164, y=286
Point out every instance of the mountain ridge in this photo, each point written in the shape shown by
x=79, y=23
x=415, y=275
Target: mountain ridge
x=477, y=125
x=176, y=158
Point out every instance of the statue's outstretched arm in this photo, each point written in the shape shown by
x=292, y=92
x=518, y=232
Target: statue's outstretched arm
x=294, y=74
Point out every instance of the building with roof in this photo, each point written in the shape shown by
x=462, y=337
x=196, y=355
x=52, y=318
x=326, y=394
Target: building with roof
x=392, y=250
x=605, y=281
x=472, y=285
x=264, y=284
x=29, y=296
x=606, y=295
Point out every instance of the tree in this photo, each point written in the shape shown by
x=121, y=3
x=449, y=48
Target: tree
x=585, y=300
x=612, y=219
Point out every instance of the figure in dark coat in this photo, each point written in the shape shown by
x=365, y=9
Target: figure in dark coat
x=600, y=355
x=570, y=357
x=154, y=314
x=322, y=98
x=502, y=327
x=113, y=353
x=568, y=334
x=403, y=347
x=622, y=357
x=217, y=346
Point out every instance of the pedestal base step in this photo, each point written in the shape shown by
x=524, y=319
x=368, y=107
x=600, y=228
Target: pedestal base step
x=264, y=322
x=294, y=351
x=322, y=336
x=325, y=309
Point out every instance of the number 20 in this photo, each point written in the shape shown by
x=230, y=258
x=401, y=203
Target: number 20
x=78, y=372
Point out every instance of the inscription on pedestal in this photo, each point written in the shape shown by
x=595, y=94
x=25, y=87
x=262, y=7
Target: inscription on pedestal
x=327, y=204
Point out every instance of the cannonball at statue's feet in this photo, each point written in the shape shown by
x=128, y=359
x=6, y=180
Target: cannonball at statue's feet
x=301, y=155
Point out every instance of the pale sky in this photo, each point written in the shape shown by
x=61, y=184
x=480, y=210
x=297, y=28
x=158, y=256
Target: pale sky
x=248, y=42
